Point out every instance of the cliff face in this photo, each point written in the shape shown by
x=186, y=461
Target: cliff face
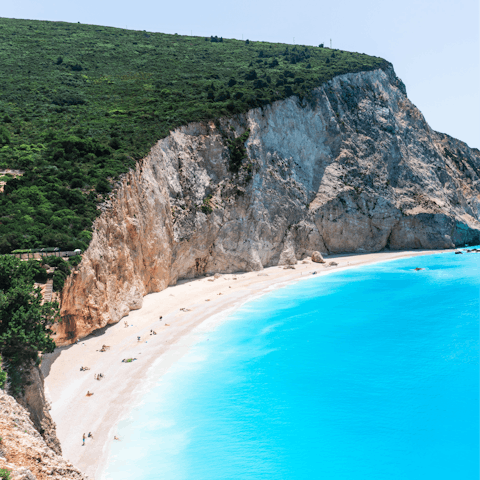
x=355, y=168
x=24, y=452
x=34, y=401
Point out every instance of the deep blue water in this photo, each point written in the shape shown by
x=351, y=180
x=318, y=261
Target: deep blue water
x=370, y=373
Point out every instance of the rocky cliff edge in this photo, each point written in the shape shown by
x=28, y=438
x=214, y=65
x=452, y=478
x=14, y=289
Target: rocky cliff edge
x=353, y=168
x=23, y=451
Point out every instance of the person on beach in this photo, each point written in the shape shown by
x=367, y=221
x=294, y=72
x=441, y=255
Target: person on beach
x=116, y=438
x=84, y=437
x=90, y=435
x=138, y=338
x=126, y=324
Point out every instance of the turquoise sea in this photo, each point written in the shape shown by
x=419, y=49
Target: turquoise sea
x=368, y=373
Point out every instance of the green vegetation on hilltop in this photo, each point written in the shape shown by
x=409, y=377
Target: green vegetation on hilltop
x=79, y=104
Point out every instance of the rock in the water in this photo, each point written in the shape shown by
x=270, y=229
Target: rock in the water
x=317, y=257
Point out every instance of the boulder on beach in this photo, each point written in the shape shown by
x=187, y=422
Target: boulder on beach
x=317, y=257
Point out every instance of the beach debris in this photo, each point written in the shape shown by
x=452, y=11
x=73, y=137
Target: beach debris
x=289, y=267
x=305, y=261
x=211, y=280
x=332, y=264
x=207, y=299
x=220, y=293
x=262, y=274
x=317, y=257
x=185, y=310
x=217, y=276
x=128, y=360
x=167, y=324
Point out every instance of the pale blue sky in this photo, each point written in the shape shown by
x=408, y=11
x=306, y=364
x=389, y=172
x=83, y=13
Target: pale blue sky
x=434, y=45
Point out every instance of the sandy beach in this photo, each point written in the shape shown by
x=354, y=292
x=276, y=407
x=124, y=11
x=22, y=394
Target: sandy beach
x=75, y=413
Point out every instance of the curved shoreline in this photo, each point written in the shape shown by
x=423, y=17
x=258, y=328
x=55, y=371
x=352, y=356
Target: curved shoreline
x=114, y=396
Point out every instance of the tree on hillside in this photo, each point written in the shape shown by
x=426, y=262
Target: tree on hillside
x=24, y=322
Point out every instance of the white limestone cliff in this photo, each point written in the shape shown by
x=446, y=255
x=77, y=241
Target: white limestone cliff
x=354, y=168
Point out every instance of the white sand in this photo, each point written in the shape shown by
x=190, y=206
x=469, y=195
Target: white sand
x=66, y=385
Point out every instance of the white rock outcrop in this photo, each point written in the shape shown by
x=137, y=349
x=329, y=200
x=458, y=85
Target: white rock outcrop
x=356, y=168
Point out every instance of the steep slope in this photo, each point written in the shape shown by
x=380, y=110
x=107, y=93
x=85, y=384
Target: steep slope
x=24, y=452
x=79, y=104
x=354, y=169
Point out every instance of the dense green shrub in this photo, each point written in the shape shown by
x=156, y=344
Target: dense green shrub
x=4, y=135
x=5, y=474
x=75, y=260
x=24, y=322
x=206, y=207
x=3, y=375
x=59, y=278
x=237, y=151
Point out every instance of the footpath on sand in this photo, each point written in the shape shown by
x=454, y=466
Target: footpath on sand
x=91, y=384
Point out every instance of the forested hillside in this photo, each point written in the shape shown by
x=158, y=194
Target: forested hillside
x=79, y=104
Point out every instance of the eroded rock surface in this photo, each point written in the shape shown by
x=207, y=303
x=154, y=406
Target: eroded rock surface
x=24, y=452
x=33, y=399
x=355, y=168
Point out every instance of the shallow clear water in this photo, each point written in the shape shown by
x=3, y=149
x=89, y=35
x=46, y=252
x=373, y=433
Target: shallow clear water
x=370, y=373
